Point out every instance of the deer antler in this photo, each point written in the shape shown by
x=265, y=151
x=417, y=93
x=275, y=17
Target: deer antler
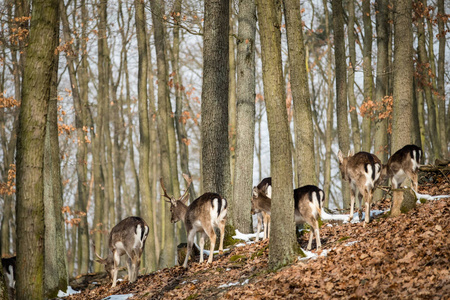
x=189, y=181
x=165, y=191
x=98, y=256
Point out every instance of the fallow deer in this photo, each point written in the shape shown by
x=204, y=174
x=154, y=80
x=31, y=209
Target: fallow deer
x=404, y=163
x=127, y=237
x=362, y=171
x=205, y=213
x=261, y=199
x=308, y=201
x=9, y=270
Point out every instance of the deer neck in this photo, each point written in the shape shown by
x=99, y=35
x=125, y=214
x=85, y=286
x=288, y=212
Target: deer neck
x=181, y=210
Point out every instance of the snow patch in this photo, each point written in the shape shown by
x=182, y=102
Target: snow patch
x=312, y=255
x=350, y=243
x=246, y=237
x=118, y=297
x=233, y=284
x=429, y=197
x=69, y=292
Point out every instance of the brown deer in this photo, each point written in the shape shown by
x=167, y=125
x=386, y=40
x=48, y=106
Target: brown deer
x=308, y=202
x=362, y=171
x=127, y=237
x=205, y=213
x=261, y=199
x=404, y=163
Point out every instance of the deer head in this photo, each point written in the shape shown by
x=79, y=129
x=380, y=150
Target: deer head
x=178, y=207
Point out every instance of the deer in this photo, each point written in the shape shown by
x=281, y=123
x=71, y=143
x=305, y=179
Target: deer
x=404, y=163
x=9, y=270
x=261, y=199
x=363, y=171
x=204, y=214
x=308, y=201
x=127, y=237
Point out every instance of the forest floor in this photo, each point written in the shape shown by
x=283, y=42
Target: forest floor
x=406, y=257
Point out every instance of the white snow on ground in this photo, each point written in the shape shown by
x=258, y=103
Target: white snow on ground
x=118, y=297
x=246, y=237
x=233, y=284
x=344, y=218
x=428, y=197
x=69, y=292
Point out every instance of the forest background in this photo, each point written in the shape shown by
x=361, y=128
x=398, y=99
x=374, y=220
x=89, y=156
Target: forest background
x=132, y=101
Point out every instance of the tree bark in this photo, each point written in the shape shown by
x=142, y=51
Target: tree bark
x=282, y=241
x=304, y=133
x=403, y=68
x=30, y=150
x=351, y=77
x=341, y=88
x=245, y=133
x=368, y=77
x=144, y=146
x=214, y=126
x=232, y=109
x=443, y=120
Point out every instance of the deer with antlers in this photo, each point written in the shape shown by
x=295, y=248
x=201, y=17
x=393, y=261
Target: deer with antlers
x=127, y=237
x=362, y=170
x=205, y=213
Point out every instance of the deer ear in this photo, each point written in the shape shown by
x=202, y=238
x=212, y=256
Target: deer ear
x=185, y=199
x=255, y=191
x=341, y=156
x=351, y=152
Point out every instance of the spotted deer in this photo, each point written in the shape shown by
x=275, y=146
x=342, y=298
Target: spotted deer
x=362, y=170
x=308, y=201
x=205, y=213
x=261, y=199
x=404, y=163
x=127, y=237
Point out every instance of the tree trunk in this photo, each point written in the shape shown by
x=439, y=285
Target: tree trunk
x=214, y=127
x=245, y=133
x=30, y=150
x=282, y=241
x=443, y=120
x=403, y=68
x=167, y=256
x=232, y=109
x=56, y=277
x=425, y=84
x=368, y=77
x=351, y=77
x=144, y=146
x=341, y=90
x=304, y=133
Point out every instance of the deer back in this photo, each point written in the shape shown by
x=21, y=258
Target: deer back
x=130, y=233
x=308, y=201
x=262, y=195
x=209, y=208
x=407, y=158
x=362, y=166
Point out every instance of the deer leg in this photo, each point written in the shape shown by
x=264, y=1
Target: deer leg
x=267, y=224
x=130, y=269
x=222, y=235
x=202, y=245
x=191, y=235
x=352, y=203
x=212, y=240
x=318, y=244
x=414, y=178
x=116, y=258
x=311, y=234
x=360, y=198
x=368, y=199
x=258, y=227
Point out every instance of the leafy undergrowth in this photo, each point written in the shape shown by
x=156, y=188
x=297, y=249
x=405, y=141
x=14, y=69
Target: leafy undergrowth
x=403, y=257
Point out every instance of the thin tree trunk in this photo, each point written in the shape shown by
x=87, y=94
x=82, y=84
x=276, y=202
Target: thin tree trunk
x=245, y=133
x=341, y=90
x=282, y=239
x=30, y=150
x=351, y=77
x=144, y=147
x=403, y=68
x=304, y=133
x=443, y=120
x=368, y=77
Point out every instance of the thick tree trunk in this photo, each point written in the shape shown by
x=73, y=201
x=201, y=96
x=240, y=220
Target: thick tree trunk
x=282, y=238
x=245, y=133
x=167, y=256
x=30, y=150
x=356, y=132
x=341, y=89
x=232, y=109
x=304, y=133
x=144, y=146
x=403, y=68
x=214, y=126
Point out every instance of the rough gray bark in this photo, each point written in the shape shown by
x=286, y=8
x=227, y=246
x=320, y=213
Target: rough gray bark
x=30, y=150
x=283, y=243
x=245, y=133
x=403, y=68
x=144, y=146
x=368, y=77
x=214, y=124
x=443, y=120
x=304, y=133
x=341, y=88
